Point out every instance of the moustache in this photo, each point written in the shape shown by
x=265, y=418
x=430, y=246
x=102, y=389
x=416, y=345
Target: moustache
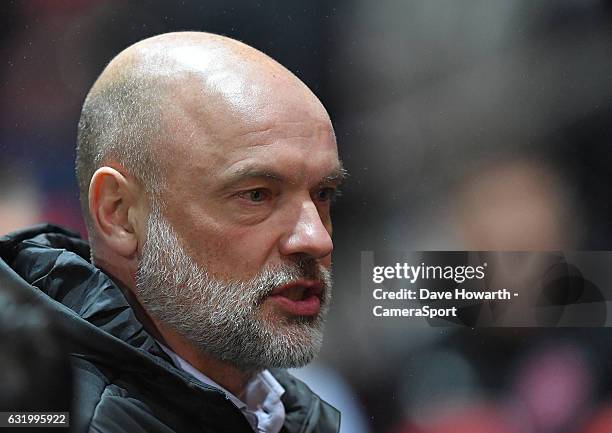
x=286, y=273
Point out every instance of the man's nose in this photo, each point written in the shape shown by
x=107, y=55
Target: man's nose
x=308, y=235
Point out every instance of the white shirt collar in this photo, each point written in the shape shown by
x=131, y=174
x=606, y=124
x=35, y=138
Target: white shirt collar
x=262, y=407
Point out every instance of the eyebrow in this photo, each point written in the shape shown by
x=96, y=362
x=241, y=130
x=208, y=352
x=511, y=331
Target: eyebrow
x=337, y=175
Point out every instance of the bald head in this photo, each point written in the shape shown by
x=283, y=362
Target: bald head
x=204, y=167
x=165, y=89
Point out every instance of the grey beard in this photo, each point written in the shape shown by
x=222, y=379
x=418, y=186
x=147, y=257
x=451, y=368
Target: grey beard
x=223, y=318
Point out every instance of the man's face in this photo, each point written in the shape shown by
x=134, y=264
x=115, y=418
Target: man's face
x=247, y=207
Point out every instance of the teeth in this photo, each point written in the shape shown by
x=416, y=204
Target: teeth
x=294, y=293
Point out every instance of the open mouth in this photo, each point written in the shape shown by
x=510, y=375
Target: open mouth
x=296, y=292
x=300, y=298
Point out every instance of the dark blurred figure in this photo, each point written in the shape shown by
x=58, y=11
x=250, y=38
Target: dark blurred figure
x=35, y=373
x=512, y=380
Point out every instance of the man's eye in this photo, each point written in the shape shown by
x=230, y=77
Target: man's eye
x=255, y=195
x=326, y=194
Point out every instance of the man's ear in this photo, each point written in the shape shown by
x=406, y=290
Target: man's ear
x=114, y=201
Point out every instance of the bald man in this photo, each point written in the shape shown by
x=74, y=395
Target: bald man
x=206, y=173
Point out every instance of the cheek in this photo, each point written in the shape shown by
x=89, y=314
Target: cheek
x=236, y=252
x=253, y=247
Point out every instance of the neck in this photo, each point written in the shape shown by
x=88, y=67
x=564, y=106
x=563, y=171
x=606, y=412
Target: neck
x=229, y=377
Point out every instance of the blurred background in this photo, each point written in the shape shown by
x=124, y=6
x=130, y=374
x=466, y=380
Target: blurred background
x=472, y=125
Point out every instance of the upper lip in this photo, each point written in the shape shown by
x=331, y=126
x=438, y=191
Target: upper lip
x=313, y=287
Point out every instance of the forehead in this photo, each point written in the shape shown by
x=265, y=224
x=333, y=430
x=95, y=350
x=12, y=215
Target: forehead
x=298, y=150
x=284, y=129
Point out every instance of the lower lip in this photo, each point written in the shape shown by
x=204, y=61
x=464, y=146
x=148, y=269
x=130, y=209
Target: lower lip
x=309, y=306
